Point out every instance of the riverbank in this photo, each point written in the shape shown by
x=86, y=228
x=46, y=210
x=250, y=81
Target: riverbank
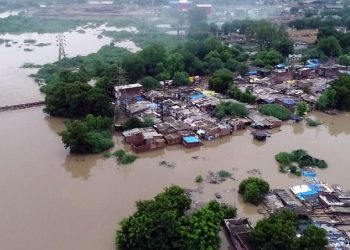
x=76, y=202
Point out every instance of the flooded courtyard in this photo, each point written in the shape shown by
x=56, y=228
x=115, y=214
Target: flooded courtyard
x=52, y=200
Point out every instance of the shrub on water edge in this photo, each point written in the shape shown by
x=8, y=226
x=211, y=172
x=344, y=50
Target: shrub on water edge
x=106, y=154
x=224, y=174
x=119, y=153
x=199, y=179
x=127, y=159
x=312, y=123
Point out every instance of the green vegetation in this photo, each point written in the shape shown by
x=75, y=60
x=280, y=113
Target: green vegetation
x=199, y=179
x=312, y=123
x=253, y=190
x=221, y=80
x=93, y=135
x=135, y=122
x=181, y=79
x=224, y=174
x=230, y=109
x=125, y=158
x=245, y=97
x=297, y=160
x=279, y=231
x=275, y=110
x=22, y=24
x=106, y=154
x=164, y=223
x=302, y=108
x=76, y=99
x=149, y=83
x=267, y=58
x=337, y=96
x=101, y=65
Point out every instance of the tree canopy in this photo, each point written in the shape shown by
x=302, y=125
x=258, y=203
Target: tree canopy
x=232, y=109
x=93, y=135
x=279, y=231
x=253, y=189
x=76, y=100
x=337, y=96
x=163, y=223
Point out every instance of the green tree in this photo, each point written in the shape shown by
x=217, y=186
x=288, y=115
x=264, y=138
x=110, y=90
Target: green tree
x=76, y=100
x=164, y=223
x=344, y=60
x=221, y=80
x=276, y=232
x=245, y=97
x=329, y=46
x=253, y=189
x=175, y=63
x=152, y=55
x=267, y=58
x=134, y=66
x=337, y=96
x=302, y=108
x=284, y=46
x=314, y=238
x=230, y=109
x=90, y=136
x=150, y=83
x=181, y=79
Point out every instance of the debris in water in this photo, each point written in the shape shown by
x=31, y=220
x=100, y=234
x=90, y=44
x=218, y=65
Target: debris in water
x=167, y=164
x=217, y=195
x=254, y=172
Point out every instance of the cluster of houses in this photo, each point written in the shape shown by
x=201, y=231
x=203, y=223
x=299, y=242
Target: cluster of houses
x=317, y=203
x=184, y=115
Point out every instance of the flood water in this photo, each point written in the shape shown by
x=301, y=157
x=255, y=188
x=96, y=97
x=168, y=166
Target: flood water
x=15, y=85
x=51, y=200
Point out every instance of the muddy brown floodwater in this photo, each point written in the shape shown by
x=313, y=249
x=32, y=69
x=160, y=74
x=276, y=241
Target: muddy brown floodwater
x=51, y=200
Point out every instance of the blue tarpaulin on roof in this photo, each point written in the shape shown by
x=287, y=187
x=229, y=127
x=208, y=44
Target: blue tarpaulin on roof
x=289, y=102
x=252, y=72
x=197, y=96
x=191, y=139
x=309, y=174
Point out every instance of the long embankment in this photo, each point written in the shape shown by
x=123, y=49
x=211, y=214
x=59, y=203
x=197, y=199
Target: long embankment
x=22, y=106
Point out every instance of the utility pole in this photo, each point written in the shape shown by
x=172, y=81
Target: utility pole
x=61, y=42
x=119, y=79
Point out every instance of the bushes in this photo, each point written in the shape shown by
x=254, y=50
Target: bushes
x=312, y=123
x=199, y=179
x=253, y=190
x=275, y=110
x=135, y=122
x=125, y=158
x=230, y=109
x=297, y=160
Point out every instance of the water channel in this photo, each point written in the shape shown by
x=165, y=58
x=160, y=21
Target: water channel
x=52, y=200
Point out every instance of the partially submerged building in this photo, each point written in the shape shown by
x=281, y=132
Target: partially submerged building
x=239, y=233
